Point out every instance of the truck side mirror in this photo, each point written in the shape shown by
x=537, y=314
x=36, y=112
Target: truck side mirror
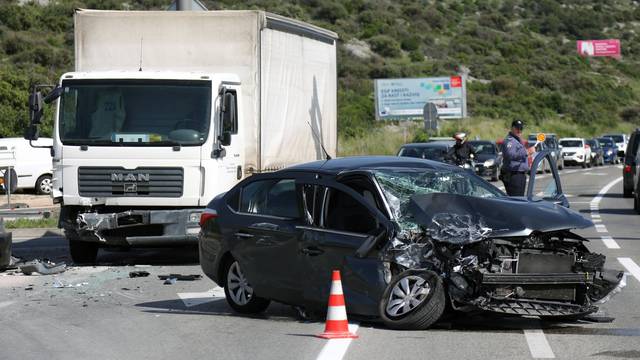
x=225, y=138
x=31, y=132
x=53, y=95
x=36, y=104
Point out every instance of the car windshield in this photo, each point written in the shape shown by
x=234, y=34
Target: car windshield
x=484, y=148
x=606, y=142
x=571, y=143
x=430, y=153
x=616, y=138
x=400, y=184
x=134, y=112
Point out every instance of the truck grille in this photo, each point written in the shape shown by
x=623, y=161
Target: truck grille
x=118, y=181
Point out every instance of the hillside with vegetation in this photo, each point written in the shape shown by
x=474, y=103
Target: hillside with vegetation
x=519, y=57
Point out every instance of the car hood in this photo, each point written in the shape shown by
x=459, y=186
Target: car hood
x=464, y=219
x=572, y=148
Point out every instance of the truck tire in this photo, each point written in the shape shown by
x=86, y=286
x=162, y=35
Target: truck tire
x=238, y=291
x=43, y=185
x=414, y=300
x=82, y=252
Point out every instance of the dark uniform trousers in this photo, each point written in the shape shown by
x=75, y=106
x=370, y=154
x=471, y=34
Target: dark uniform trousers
x=516, y=183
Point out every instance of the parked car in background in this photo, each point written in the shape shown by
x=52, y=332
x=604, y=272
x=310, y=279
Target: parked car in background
x=576, y=151
x=551, y=144
x=33, y=167
x=597, y=153
x=488, y=158
x=409, y=236
x=610, y=150
x=630, y=164
x=433, y=150
x=621, y=140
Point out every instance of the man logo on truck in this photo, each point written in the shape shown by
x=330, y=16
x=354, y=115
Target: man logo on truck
x=119, y=177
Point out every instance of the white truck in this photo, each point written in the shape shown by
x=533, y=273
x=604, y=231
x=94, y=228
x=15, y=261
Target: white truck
x=165, y=110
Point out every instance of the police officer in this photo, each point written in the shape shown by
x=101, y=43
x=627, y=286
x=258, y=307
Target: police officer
x=462, y=151
x=515, y=163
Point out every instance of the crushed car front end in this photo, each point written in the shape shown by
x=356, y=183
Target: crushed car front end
x=494, y=253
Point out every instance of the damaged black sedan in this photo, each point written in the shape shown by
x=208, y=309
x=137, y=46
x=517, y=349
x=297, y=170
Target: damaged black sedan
x=410, y=237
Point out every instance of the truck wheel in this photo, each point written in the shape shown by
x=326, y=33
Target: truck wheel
x=43, y=185
x=239, y=293
x=414, y=300
x=82, y=252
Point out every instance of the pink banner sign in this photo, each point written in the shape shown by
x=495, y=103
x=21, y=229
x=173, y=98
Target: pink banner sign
x=610, y=47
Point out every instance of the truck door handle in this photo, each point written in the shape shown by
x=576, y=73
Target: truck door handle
x=312, y=251
x=243, y=235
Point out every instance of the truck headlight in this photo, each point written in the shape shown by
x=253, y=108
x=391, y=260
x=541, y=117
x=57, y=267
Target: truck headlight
x=489, y=163
x=194, y=217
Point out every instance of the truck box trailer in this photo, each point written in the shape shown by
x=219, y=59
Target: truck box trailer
x=165, y=110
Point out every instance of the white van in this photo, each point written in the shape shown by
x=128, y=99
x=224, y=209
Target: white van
x=33, y=166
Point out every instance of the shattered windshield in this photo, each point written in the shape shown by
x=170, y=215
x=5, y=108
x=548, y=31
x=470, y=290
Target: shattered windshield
x=399, y=185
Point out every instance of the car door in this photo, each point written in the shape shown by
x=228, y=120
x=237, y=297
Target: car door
x=545, y=186
x=342, y=232
x=266, y=237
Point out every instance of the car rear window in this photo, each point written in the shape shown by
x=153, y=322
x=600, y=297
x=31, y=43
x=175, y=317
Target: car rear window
x=275, y=197
x=616, y=138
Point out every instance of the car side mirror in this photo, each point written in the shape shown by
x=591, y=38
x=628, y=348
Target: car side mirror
x=370, y=243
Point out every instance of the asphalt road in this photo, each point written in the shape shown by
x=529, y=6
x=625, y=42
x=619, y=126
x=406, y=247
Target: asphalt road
x=101, y=313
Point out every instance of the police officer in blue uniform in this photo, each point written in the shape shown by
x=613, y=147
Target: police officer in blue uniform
x=515, y=163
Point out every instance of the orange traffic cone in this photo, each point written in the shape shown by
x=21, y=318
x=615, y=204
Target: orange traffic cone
x=337, y=326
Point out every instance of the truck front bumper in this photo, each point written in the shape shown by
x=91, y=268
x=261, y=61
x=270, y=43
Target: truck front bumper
x=141, y=227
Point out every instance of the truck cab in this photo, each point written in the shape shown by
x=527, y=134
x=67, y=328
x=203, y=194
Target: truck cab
x=136, y=155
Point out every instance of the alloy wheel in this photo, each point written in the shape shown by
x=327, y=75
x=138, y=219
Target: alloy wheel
x=407, y=294
x=239, y=288
x=45, y=186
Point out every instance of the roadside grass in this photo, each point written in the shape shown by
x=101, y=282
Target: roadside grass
x=50, y=222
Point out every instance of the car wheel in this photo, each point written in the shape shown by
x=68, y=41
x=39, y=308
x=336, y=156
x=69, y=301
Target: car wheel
x=44, y=185
x=494, y=176
x=414, y=300
x=82, y=252
x=627, y=192
x=584, y=164
x=239, y=293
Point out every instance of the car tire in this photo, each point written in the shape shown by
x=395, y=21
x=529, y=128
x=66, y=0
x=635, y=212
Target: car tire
x=494, y=176
x=82, y=252
x=235, y=291
x=584, y=164
x=627, y=193
x=44, y=185
x=426, y=310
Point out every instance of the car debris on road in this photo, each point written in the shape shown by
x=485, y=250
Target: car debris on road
x=44, y=267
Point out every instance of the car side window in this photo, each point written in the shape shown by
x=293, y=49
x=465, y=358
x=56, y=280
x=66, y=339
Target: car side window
x=274, y=197
x=344, y=213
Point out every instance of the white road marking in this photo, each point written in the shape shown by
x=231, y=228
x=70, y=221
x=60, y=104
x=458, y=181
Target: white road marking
x=199, y=298
x=601, y=228
x=538, y=344
x=620, y=167
x=631, y=267
x=596, y=200
x=335, y=349
x=595, y=216
x=595, y=220
x=609, y=242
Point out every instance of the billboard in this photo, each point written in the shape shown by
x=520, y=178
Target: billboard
x=398, y=99
x=610, y=48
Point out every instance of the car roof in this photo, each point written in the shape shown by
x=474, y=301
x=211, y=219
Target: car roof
x=439, y=143
x=338, y=165
x=581, y=139
x=482, y=142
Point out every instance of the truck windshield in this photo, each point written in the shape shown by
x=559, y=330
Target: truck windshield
x=134, y=112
